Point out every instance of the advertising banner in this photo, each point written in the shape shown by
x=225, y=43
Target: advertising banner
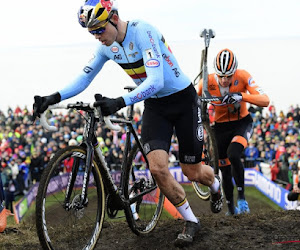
x=252, y=178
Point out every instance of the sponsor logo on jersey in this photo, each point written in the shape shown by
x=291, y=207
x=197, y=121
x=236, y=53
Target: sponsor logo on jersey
x=114, y=49
x=212, y=87
x=223, y=162
x=87, y=69
x=133, y=54
x=189, y=158
x=154, y=46
x=199, y=115
x=118, y=57
x=134, y=24
x=131, y=46
x=199, y=133
x=143, y=94
x=176, y=72
x=251, y=82
x=167, y=58
x=152, y=63
x=147, y=148
x=236, y=82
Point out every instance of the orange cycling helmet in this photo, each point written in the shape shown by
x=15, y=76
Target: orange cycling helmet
x=96, y=11
x=225, y=63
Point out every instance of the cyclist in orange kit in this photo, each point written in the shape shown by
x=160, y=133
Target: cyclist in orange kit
x=233, y=123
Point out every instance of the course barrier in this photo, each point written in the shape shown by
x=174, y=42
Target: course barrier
x=270, y=189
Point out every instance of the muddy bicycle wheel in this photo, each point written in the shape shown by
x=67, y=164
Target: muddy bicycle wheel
x=143, y=214
x=69, y=225
x=209, y=157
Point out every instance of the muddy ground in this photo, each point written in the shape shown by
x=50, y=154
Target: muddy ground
x=264, y=228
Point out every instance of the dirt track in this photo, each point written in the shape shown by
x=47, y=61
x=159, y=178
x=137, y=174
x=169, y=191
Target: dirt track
x=262, y=229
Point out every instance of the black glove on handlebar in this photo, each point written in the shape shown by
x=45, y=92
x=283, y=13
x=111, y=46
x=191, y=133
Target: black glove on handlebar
x=41, y=103
x=109, y=105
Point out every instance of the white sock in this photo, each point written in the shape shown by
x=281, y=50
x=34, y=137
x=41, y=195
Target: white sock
x=185, y=210
x=215, y=186
x=133, y=210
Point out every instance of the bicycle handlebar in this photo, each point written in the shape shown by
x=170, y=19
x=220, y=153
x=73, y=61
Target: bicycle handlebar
x=211, y=98
x=79, y=106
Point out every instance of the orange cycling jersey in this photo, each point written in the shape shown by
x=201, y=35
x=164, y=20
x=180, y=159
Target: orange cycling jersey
x=242, y=82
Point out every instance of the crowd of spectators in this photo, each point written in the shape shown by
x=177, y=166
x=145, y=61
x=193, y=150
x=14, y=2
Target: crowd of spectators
x=274, y=144
x=26, y=148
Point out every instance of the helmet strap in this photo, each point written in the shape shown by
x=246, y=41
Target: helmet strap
x=113, y=24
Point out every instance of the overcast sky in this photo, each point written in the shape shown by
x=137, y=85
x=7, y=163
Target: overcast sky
x=43, y=47
x=39, y=22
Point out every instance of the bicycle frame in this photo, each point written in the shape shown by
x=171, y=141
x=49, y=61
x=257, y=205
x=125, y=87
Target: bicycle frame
x=130, y=131
x=94, y=152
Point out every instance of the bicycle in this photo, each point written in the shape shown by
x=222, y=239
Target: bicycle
x=210, y=150
x=70, y=207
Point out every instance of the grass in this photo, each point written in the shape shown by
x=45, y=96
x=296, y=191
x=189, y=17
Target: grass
x=253, y=195
x=252, y=192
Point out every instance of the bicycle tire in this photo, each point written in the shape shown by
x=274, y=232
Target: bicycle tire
x=143, y=215
x=210, y=153
x=76, y=227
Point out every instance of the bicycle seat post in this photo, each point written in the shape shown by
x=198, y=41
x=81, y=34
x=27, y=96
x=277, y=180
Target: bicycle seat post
x=131, y=111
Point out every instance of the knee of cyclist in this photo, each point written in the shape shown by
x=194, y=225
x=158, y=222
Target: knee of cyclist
x=234, y=157
x=192, y=177
x=158, y=171
x=191, y=174
x=234, y=152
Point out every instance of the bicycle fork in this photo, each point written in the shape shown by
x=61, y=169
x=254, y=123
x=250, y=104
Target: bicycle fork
x=81, y=200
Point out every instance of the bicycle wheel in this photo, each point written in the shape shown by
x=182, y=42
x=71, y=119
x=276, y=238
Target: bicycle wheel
x=73, y=226
x=142, y=216
x=209, y=157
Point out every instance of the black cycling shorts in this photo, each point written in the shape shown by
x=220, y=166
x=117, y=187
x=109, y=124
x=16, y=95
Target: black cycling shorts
x=179, y=113
x=226, y=131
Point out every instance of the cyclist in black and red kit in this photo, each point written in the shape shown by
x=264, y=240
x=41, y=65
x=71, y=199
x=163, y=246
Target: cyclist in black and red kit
x=233, y=123
x=171, y=102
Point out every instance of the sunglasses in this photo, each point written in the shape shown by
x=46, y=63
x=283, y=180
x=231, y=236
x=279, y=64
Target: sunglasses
x=99, y=30
x=223, y=76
